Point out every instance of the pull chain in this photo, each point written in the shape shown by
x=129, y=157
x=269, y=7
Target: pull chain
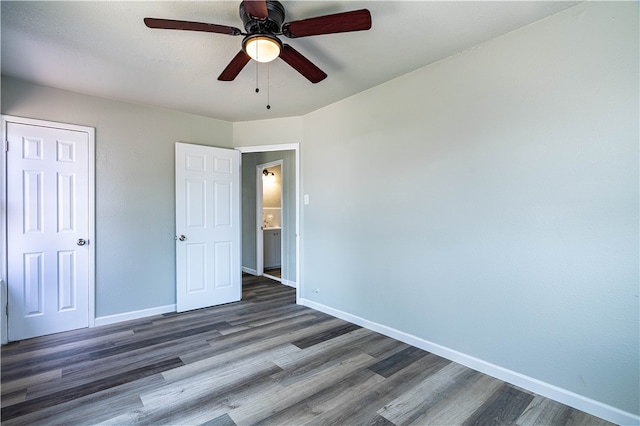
x=268, y=85
x=257, y=89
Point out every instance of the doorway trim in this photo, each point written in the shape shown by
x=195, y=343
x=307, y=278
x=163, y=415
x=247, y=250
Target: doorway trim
x=259, y=213
x=4, y=249
x=286, y=147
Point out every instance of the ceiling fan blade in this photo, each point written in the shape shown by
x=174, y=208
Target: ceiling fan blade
x=235, y=66
x=356, y=20
x=302, y=64
x=256, y=8
x=171, y=24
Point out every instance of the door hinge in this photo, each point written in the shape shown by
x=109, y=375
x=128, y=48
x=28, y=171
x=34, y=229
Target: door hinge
x=6, y=146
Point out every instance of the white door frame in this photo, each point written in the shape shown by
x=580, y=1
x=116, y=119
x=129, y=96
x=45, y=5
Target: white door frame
x=259, y=208
x=285, y=147
x=3, y=213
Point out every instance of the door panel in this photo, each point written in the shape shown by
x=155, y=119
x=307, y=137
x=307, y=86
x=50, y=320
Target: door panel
x=208, y=268
x=32, y=202
x=66, y=202
x=222, y=264
x=196, y=203
x=67, y=280
x=33, y=284
x=47, y=214
x=222, y=205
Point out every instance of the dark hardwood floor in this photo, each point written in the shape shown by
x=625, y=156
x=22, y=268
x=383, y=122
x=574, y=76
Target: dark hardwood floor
x=264, y=360
x=274, y=272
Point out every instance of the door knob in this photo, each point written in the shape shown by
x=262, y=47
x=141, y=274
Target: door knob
x=81, y=242
x=182, y=238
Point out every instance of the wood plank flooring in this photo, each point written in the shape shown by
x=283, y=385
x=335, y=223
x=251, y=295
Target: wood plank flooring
x=274, y=272
x=264, y=360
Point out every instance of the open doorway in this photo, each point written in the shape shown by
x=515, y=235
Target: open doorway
x=252, y=221
x=269, y=226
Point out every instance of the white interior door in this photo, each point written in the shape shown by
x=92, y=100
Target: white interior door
x=48, y=229
x=208, y=264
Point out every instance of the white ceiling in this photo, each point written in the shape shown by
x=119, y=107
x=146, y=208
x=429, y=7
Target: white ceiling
x=104, y=49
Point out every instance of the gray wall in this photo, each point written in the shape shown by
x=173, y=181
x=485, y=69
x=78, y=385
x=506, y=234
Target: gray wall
x=249, y=163
x=135, y=197
x=489, y=203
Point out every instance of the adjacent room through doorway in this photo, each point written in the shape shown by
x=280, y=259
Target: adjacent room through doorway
x=270, y=212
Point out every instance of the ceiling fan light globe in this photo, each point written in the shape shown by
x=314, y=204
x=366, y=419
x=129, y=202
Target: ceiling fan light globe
x=262, y=48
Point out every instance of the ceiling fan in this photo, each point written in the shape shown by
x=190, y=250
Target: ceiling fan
x=263, y=23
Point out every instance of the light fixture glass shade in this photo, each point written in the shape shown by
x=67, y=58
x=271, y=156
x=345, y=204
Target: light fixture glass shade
x=262, y=48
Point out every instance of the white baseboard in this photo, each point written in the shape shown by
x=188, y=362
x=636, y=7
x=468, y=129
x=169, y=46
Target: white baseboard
x=547, y=390
x=249, y=270
x=289, y=283
x=126, y=316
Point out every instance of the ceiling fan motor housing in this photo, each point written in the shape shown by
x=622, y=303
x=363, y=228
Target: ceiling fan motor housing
x=269, y=25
